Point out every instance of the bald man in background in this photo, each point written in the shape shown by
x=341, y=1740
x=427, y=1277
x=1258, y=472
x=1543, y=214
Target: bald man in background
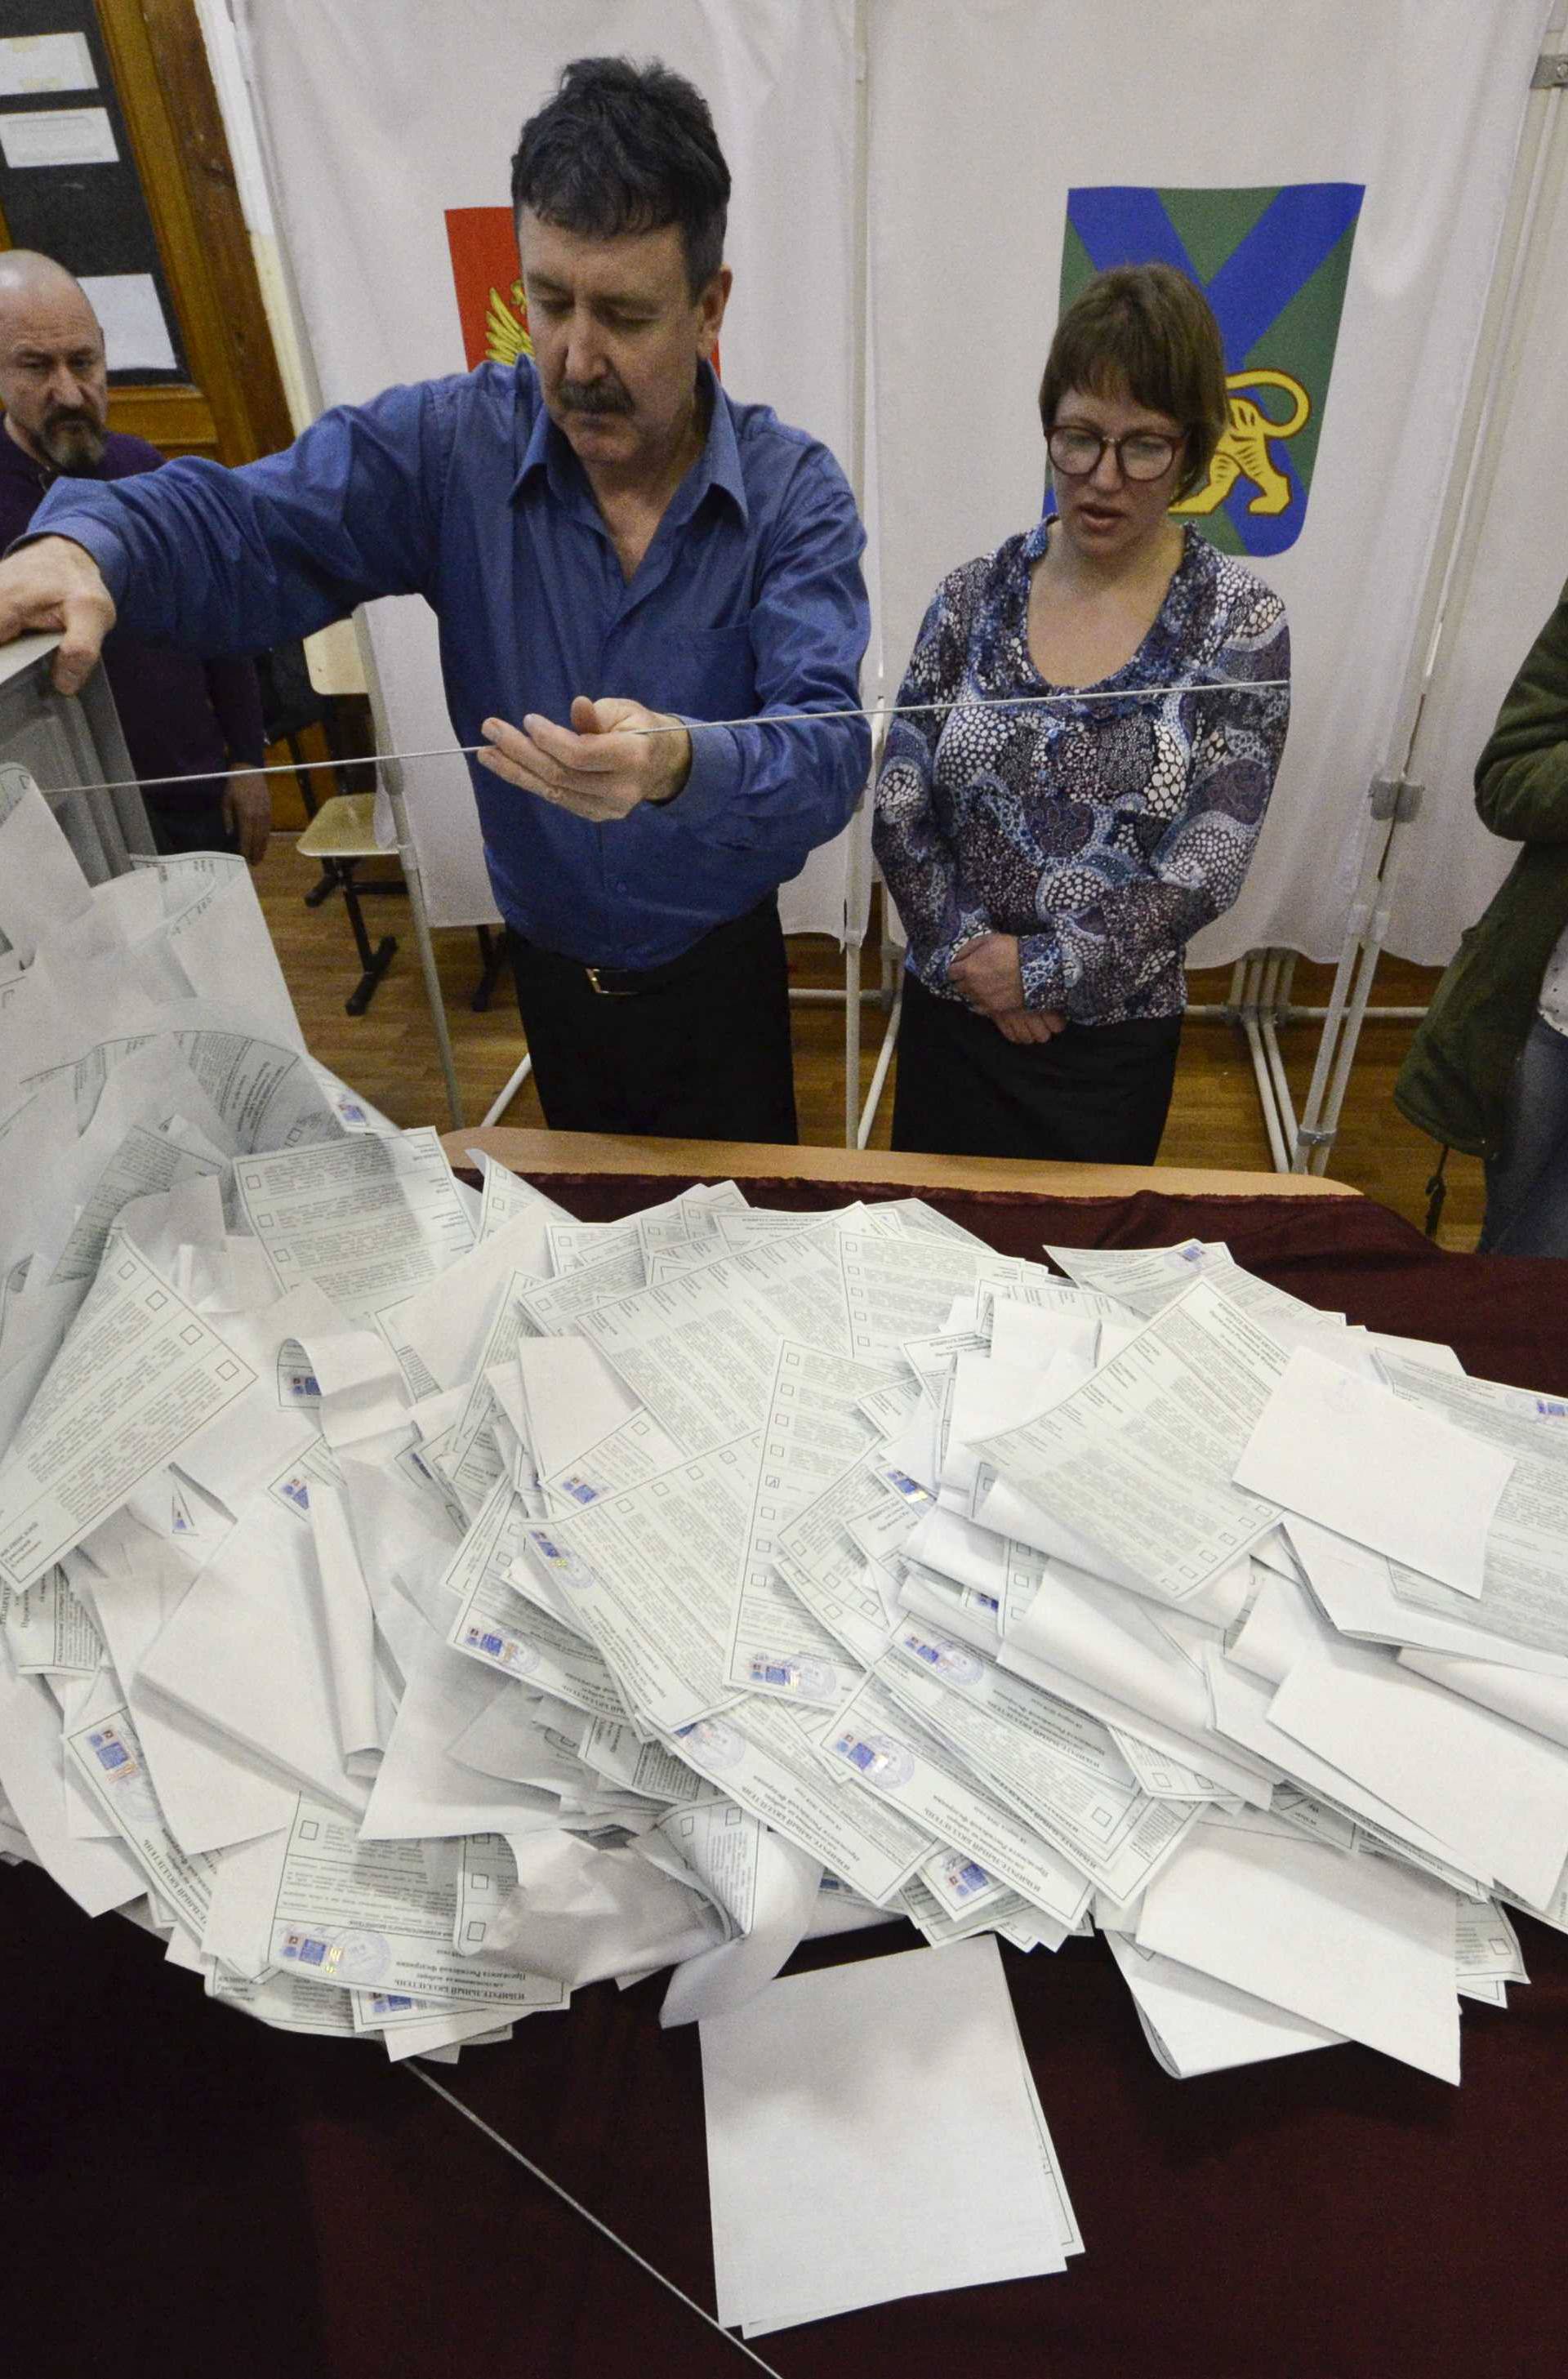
x=182, y=717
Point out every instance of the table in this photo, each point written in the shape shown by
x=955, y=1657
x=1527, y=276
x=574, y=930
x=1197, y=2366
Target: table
x=183, y=2174
x=594, y=1153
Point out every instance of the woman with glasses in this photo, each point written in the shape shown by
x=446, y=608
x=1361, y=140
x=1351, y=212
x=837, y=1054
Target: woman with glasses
x=1051, y=860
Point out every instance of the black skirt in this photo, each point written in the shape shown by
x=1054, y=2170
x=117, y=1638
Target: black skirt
x=1094, y=1094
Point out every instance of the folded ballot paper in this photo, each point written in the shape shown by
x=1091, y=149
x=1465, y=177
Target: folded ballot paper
x=873, y=2131
x=419, y=1604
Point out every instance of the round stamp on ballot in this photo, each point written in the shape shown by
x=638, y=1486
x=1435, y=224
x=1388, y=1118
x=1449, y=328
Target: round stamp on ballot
x=558, y=1561
x=124, y=1776
x=954, y=1662
x=358, y=1957
x=504, y=1651
x=881, y=1759
x=791, y=1673
x=712, y=1742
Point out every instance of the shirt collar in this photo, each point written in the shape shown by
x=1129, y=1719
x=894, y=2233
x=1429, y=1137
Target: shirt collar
x=719, y=465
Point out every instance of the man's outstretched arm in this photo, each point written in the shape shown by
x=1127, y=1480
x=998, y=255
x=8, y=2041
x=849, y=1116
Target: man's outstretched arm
x=218, y=562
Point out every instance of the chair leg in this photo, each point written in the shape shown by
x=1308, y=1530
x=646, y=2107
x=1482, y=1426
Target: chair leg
x=326, y=883
x=301, y=775
x=374, y=962
x=492, y=965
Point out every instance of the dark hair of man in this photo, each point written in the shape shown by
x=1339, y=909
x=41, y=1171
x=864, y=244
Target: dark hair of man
x=1147, y=330
x=624, y=147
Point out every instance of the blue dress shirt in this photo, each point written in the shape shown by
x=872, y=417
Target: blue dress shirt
x=749, y=599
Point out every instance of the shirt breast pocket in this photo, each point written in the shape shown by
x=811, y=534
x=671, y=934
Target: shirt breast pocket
x=708, y=673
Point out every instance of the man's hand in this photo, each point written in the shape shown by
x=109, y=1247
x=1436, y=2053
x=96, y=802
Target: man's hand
x=247, y=812
x=595, y=768
x=55, y=584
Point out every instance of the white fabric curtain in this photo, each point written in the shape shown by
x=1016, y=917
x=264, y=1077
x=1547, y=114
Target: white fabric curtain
x=381, y=114
x=984, y=117
x=1449, y=864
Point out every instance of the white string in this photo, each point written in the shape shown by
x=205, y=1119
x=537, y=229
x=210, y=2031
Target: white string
x=685, y=727
x=567, y=2199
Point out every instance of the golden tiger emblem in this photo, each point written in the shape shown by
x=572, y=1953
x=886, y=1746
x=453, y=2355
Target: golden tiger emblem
x=1243, y=450
x=506, y=326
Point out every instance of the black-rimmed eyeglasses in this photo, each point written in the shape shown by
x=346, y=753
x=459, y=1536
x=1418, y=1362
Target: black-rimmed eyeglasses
x=1142, y=455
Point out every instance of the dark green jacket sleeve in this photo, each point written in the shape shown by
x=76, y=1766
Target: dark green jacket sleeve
x=1522, y=775
x=1454, y=1082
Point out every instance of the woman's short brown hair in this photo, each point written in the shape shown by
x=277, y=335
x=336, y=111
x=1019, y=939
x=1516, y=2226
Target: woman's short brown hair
x=1145, y=328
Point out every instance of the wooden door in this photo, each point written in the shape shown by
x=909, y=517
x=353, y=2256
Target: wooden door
x=126, y=178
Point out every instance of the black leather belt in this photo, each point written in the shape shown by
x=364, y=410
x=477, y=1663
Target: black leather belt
x=631, y=982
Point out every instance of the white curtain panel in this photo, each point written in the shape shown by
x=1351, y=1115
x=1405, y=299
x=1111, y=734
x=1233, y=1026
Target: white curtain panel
x=1450, y=866
x=381, y=114
x=985, y=116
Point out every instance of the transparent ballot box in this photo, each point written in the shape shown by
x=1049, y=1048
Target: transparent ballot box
x=71, y=745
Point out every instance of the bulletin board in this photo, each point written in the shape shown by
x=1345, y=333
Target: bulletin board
x=70, y=185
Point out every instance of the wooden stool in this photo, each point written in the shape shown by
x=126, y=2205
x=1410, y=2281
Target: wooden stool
x=342, y=833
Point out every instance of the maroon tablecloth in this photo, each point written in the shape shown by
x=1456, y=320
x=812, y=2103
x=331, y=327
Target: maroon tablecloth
x=192, y=2192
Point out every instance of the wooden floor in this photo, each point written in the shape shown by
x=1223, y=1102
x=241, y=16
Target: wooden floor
x=390, y=1053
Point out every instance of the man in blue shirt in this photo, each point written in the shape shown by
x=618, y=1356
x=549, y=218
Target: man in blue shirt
x=598, y=532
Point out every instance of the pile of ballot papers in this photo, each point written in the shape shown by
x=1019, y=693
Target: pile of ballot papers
x=419, y=1603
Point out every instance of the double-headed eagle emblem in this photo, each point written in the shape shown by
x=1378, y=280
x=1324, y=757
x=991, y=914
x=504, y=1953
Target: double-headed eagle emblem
x=506, y=326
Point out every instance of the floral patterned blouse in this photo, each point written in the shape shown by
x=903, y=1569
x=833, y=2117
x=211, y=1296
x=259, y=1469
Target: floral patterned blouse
x=1103, y=834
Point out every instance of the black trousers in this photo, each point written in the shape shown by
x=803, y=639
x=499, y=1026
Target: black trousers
x=1095, y=1094
x=184, y=821
x=697, y=1050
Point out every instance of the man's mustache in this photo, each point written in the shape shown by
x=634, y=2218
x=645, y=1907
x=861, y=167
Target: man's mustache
x=592, y=396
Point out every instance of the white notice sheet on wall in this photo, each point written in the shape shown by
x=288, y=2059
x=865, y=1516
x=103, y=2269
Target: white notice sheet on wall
x=58, y=136
x=131, y=312
x=35, y=62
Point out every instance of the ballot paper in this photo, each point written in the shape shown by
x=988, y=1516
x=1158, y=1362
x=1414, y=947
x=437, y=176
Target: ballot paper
x=1361, y=1947
x=1537, y=1702
x=649, y=1576
x=509, y=1617
x=899, y=1290
x=139, y=1374
x=48, y=1630
x=608, y=1597
x=1496, y=1794
x=766, y=1888
x=1196, y=2024
x=1138, y=1461
x=367, y=1219
x=1059, y=1768
x=891, y=1753
x=756, y=1753
x=505, y=1198
x=366, y=1915
x=109, y=1755
x=824, y=2086
x=471, y=1456
x=210, y=1792
x=1523, y=1594
x=1003, y=1572
x=1350, y=1454
x=42, y=884
x=814, y=1431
